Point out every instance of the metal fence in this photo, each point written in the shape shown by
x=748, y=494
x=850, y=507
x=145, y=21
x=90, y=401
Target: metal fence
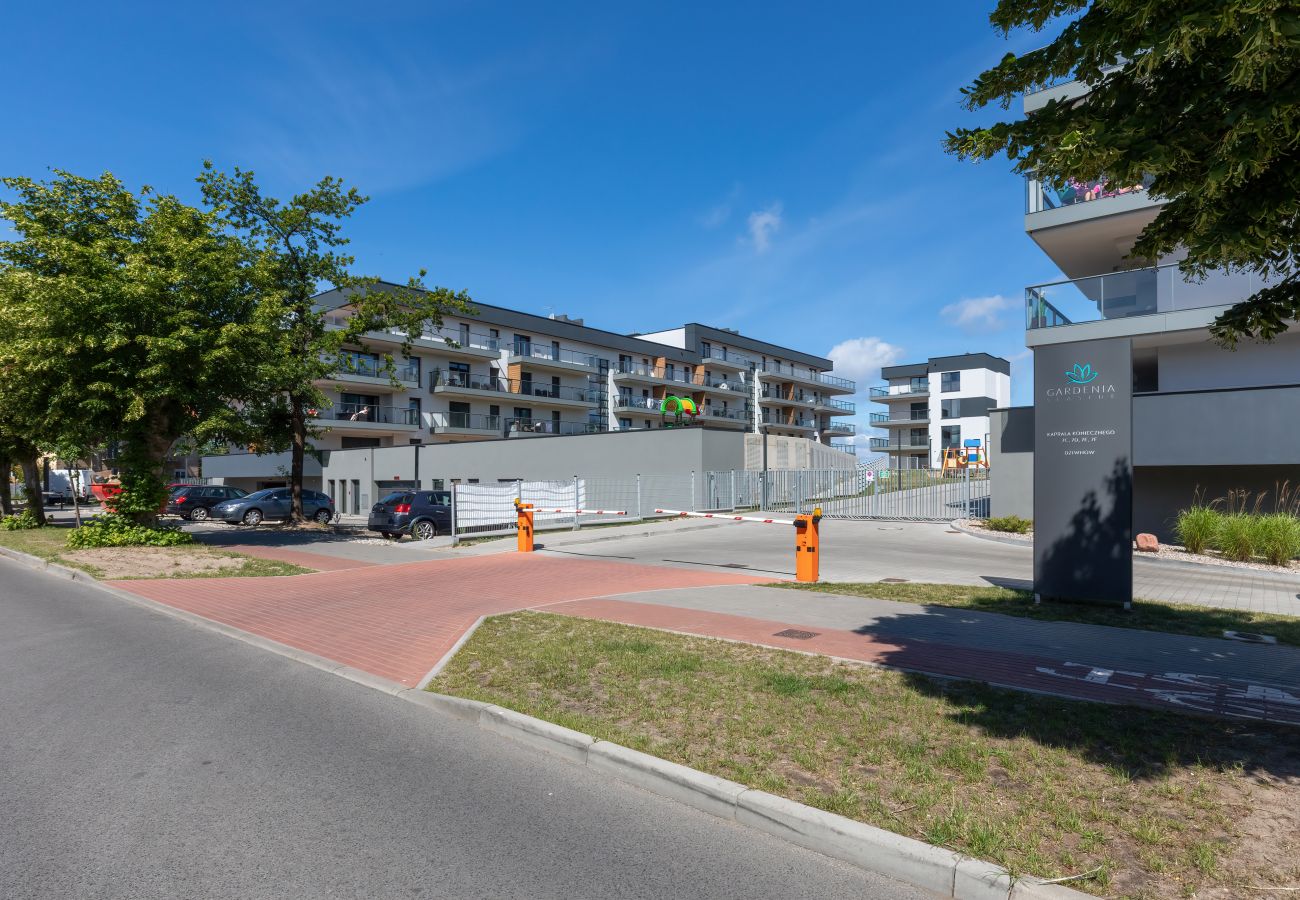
x=862, y=493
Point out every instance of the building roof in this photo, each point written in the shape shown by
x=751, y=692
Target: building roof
x=948, y=364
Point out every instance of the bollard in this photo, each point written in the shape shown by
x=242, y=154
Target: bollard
x=525, y=523
x=807, y=546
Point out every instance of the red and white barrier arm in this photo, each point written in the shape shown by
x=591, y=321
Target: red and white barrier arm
x=725, y=518
x=583, y=512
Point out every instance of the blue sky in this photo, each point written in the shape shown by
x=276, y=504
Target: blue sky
x=770, y=167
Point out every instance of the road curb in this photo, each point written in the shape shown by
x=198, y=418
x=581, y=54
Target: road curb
x=864, y=846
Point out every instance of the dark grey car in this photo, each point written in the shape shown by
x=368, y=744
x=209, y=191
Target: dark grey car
x=272, y=503
x=421, y=514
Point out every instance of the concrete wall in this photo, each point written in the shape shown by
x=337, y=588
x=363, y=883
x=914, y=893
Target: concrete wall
x=1205, y=365
x=1253, y=427
x=617, y=454
x=1011, y=462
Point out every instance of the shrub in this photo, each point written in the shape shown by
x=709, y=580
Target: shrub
x=21, y=522
x=1235, y=537
x=118, y=531
x=1276, y=537
x=1197, y=527
x=1012, y=524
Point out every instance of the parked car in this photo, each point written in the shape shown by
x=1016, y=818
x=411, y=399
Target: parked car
x=194, y=501
x=421, y=514
x=272, y=503
x=56, y=498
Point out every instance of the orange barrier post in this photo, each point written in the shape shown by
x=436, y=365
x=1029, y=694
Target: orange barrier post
x=807, y=546
x=525, y=512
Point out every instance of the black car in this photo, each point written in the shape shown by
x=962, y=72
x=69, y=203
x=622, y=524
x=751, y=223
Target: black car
x=195, y=501
x=421, y=514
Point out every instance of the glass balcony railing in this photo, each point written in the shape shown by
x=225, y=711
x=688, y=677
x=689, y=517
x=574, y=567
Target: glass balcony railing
x=517, y=425
x=733, y=415
x=550, y=354
x=467, y=421
x=1041, y=196
x=360, y=412
x=1137, y=292
x=851, y=449
x=844, y=405
x=723, y=355
x=841, y=428
x=836, y=381
x=896, y=444
x=449, y=381
x=912, y=389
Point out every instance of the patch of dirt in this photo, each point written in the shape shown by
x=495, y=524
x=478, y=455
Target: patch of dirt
x=153, y=562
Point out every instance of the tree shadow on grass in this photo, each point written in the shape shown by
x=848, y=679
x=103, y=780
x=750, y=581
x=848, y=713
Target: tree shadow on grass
x=1141, y=744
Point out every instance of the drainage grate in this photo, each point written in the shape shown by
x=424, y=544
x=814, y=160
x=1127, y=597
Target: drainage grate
x=1250, y=637
x=796, y=633
x=893, y=580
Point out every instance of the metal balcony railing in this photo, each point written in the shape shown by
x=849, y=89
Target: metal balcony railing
x=467, y=421
x=1136, y=292
x=440, y=380
x=516, y=425
x=360, y=412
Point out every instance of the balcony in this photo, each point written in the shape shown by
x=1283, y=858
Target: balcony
x=640, y=372
x=459, y=424
x=798, y=422
x=841, y=428
x=721, y=356
x=834, y=381
x=1137, y=292
x=456, y=384
x=890, y=419
x=889, y=393
x=716, y=415
x=649, y=406
x=838, y=407
x=851, y=449
x=520, y=427
x=715, y=384
x=461, y=343
x=1041, y=196
x=363, y=371
x=546, y=356
x=363, y=417
x=894, y=445
x=773, y=394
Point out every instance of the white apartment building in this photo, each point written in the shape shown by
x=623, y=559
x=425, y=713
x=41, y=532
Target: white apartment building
x=937, y=405
x=1204, y=418
x=504, y=374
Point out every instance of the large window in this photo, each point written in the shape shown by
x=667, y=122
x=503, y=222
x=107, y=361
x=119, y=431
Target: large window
x=951, y=437
x=950, y=381
x=950, y=409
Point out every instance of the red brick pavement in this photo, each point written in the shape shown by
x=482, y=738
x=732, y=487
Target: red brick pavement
x=398, y=621
x=318, y=561
x=1162, y=690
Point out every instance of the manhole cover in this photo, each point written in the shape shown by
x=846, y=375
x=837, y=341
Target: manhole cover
x=893, y=580
x=796, y=633
x=1250, y=637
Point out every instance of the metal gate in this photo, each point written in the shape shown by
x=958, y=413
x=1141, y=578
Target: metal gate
x=913, y=494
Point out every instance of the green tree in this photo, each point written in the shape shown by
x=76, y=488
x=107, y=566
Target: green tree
x=295, y=251
x=1202, y=97
x=125, y=318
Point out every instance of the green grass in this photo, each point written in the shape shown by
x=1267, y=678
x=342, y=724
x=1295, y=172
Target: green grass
x=1146, y=615
x=48, y=544
x=1152, y=801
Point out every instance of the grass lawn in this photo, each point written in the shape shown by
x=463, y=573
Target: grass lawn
x=1146, y=615
x=188, y=561
x=1152, y=804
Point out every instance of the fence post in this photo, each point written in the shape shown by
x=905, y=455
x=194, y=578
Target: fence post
x=638, y=496
x=576, y=505
x=455, y=535
x=733, y=490
x=692, y=490
x=798, y=490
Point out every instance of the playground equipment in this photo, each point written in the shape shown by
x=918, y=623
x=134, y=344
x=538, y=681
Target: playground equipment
x=969, y=456
x=807, y=537
x=677, y=407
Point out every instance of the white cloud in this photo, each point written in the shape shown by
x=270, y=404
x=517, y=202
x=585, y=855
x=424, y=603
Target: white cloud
x=861, y=358
x=763, y=224
x=717, y=215
x=979, y=315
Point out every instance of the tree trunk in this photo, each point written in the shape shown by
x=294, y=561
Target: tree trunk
x=6, y=491
x=32, y=485
x=297, y=453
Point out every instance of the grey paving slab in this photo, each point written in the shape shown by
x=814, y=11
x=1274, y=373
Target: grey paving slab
x=1093, y=645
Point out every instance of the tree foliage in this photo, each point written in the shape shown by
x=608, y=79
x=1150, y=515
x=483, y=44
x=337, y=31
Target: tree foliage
x=295, y=251
x=124, y=318
x=1202, y=96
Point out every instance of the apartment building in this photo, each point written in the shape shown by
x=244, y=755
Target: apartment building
x=506, y=374
x=937, y=405
x=1203, y=418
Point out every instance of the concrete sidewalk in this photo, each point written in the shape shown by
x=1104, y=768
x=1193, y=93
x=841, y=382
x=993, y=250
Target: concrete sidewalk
x=1092, y=662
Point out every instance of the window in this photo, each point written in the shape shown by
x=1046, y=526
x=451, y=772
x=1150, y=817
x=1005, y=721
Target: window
x=458, y=374
x=949, y=382
x=950, y=409
x=706, y=349
x=951, y=436
x=355, y=443
x=625, y=424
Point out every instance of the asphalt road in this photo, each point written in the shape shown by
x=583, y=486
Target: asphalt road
x=144, y=757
